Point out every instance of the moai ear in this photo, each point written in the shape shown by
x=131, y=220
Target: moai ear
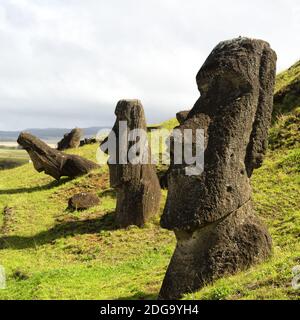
x=257, y=145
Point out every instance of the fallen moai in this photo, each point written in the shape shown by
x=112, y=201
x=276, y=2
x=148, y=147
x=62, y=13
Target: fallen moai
x=70, y=140
x=52, y=162
x=211, y=214
x=137, y=185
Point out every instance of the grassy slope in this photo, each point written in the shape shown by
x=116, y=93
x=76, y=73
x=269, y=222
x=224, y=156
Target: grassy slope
x=285, y=133
x=10, y=158
x=50, y=253
x=287, y=77
x=287, y=90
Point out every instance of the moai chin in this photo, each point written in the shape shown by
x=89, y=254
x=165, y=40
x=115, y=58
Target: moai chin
x=211, y=214
x=136, y=184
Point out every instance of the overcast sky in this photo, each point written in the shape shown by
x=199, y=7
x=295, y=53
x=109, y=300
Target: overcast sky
x=66, y=63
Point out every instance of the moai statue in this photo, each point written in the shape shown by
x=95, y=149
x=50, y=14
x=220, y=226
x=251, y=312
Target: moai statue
x=70, y=140
x=211, y=213
x=131, y=173
x=53, y=162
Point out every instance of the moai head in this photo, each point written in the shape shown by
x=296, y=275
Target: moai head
x=37, y=150
x=129, y=117
x=236, y=85
x=131, y=173
x=131, y=110
x=70, y=139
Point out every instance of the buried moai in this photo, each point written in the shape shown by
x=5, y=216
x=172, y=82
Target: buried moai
x=70, y=140
x=211, y=213
x=136, y=183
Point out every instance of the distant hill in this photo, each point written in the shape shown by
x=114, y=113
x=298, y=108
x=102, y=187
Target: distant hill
x=50, y=134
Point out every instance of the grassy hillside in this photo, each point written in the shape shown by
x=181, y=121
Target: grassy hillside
x=287, y=90
x=285, y=133
x=285, y=78
x=11, y=158
x=51, y=253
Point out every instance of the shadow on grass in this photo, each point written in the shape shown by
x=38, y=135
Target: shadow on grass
x=61, y=230
x=47, y=186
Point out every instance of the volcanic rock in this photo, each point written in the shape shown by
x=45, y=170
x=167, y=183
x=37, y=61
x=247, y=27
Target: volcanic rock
x=211, y=213
x=136, y=184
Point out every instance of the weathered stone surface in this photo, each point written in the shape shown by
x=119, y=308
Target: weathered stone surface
x=181, y=116
x=137, y=185
x=53, y=162
x=211, y=214
x=163, y=179
x=70, y=140
x=83, y=200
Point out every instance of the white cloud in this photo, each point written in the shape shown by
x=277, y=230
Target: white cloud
x=68, y=62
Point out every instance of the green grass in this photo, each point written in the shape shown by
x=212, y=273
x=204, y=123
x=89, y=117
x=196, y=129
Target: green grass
x=168, y=124
x=287, y=91
x=287, y=77
x=10, y=158
x=51, y=253
x=285, y=133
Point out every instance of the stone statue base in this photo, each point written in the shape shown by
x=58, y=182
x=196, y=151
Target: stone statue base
x=227, y=246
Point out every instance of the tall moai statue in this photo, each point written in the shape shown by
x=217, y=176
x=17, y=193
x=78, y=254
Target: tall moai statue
x=211, y=213
x=131, y=173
